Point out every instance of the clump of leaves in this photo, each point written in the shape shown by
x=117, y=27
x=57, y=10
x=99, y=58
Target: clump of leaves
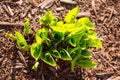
x=67, y=40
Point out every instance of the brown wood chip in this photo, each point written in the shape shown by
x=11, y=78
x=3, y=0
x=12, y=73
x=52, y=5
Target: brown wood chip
x=11, y=24
x=84, y=14
x=68, y=1
x=22, y=58
x=46, y=4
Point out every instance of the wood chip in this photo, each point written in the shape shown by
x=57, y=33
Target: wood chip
x=22, y=58
x=6, y=9
x=10, y=10
x=11, y=24
x=60, y=8
x=34, y=3
x=68, y=1
x=46, y=4
x=84, y=14
x=93, y=7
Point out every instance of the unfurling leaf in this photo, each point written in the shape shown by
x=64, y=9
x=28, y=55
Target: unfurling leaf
x=11, y=36
x=86, y=63
x=65, y=55
x=86, y=23
x=35, y=66
x=27, y=30
x=41, y=35
x=36, y=50
x=47, y=58
x=56, y=54
x=22, y=44
x=48, y=18
x=71, y=16
x=57, y=37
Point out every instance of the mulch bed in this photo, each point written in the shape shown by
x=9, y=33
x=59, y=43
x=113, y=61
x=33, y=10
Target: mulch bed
x=16, y=65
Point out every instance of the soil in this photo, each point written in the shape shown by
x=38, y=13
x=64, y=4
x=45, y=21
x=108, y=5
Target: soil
x=16, y=65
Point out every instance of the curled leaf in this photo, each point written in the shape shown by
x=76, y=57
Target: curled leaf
x=22, y=44
x=27, y=30
x=41, y=35
x=47, y=58
x=86, y=54
x=36, y=50
x=65, y=55
x=57, y=38
x=48, y=19
x=55, y=53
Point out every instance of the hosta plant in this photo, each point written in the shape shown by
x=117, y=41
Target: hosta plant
x=67, y=40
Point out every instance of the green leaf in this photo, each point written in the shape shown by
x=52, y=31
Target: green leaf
x=71, y=16
x=74, y=38
x=41, y=35
x=36, y=50
x=35, y=66
x=22, y=44
x=48, y=19
x=85, y=22
x=47, y=58
x=91, y=34
x=86, y=54
x=58, y=36
x=55, y=53
x=75, y=58
x=65, y=55
x=27, y=30
x=11, y=36
x=86, y=63
x=94, y=43
x=83, y=44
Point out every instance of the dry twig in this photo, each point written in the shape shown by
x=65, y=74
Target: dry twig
x=11, y=24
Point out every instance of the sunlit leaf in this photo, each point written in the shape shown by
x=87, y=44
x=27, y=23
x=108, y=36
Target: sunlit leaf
x=27, y=30
x=71, y=16
x=36, y=50
x=85, y=22
x=11, y=36
x=94, y=43
x=86, y=63
x=35, y=66
x=48, y=19
x=22, y=44
x=47, y=58
x=41, y=35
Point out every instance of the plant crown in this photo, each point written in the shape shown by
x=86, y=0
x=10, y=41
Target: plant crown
x=67, y=40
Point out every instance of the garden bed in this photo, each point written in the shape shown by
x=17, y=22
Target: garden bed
x=17, y=65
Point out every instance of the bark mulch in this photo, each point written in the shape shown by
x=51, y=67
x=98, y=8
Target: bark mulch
x=16, y=65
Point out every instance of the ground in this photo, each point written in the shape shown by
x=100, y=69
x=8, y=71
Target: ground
x=16, y=65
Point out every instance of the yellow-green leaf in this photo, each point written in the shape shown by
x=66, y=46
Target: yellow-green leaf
x=22, y=44
x=36, y=50
x=71, y=16
x=47, y=58
x=35, y=66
